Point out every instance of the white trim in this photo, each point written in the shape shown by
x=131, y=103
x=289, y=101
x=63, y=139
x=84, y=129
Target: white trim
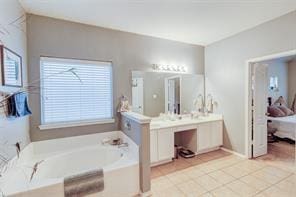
x=207, y=150
x=248, y=151
x=139, y=118
x=146, y=194
x=166, y=91
x=76, y=61
x=74, y=124
x=160, y=162
x=233, y=152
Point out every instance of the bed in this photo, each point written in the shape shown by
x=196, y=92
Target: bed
x=286, y=126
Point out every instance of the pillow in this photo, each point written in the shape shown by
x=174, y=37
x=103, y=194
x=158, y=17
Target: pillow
x=286, y=110
x=275, y=111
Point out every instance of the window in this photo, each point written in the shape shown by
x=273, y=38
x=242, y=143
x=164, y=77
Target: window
x=75, y=91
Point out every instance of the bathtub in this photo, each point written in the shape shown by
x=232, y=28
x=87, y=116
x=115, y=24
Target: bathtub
x=69, y=156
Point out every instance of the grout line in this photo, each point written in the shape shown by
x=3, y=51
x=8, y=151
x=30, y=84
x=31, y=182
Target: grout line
x=258, y=191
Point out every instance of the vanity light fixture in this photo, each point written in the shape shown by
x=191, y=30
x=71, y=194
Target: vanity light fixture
x=169, y=68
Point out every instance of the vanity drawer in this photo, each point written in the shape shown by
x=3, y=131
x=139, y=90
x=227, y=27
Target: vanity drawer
x=185, y=128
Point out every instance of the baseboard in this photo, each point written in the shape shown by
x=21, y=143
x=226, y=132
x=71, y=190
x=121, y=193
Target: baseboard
x=146, y=194
x=233, y=152
x=161, y=162
x=208, y=150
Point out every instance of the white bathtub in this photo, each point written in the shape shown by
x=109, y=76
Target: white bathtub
x=70, y=156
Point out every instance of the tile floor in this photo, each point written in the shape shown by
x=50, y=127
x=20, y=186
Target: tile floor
x=281, y=154
x=221, y=174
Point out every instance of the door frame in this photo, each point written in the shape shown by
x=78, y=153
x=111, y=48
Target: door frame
x=166, y=90
x=142, y=109
x=248, y=95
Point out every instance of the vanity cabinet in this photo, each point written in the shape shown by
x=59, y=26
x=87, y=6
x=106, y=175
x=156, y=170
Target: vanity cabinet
x=209, y=135
x=165, y=144
x=198, y=135
x=217, y=133
x=161, y=145
x=204, y=136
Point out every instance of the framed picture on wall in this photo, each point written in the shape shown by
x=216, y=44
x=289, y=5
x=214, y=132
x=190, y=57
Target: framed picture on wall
x=11, y=67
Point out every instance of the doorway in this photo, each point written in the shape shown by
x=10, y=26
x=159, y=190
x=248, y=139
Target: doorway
x=263, y=92
x=138, y=95
x=172, y=94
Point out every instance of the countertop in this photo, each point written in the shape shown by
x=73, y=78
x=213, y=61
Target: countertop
x=157, y=123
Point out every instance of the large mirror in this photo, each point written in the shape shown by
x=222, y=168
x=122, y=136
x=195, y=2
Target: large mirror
x=156, y=92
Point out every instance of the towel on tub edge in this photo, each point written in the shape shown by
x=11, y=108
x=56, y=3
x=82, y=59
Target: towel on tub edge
x=83, y=184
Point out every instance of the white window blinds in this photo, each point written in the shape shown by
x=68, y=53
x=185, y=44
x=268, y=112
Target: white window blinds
x=75, y=90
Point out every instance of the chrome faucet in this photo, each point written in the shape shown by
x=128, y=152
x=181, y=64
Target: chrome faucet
x=116, y=142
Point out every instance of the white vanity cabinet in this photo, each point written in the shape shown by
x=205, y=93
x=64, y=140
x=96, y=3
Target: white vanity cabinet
x=161, y=145
x=209, y=135
x=198, y=135
x=165, y=144
x=204, y=136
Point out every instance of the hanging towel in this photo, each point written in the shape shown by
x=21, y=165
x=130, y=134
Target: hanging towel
x=17, y=105
x=84, y=184
x=293, y=108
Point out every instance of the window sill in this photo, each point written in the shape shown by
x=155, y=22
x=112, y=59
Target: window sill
x=74, y=124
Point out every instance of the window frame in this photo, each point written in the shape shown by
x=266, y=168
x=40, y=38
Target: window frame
x=64, y=124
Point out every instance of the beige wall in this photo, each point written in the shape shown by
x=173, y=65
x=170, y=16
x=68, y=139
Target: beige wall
x=278, y=68
x=127, y=51
x=225, y=69
x=154, y=84
x=12, y=131
x=191, y=87
x=292, y=81
x=140, y=134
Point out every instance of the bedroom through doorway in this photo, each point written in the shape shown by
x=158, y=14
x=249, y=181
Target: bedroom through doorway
x=273, y=110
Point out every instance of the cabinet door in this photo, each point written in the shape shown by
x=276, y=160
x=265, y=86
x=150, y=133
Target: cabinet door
x=204, y=136
x=217, y=133
x=165, y=144
x=153, y=146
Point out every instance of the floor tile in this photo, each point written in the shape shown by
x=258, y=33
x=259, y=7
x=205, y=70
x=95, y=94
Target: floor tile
x=208, y=167
x=178, y=177
x=276, y=172
x=236, y=171
x=255, y=182
x=276, y=192
x=250, y=165
x=161, y=183
x=193, y=172
x=195, y=161
x=287, y=186
x=169, y=192
x=191, y=188
x=207, y=182
x=221, y=177
x=292, y=178
x=207, y=195
x=220, y=174
x=223, y=192
x=266, y=176
x=241, y=188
